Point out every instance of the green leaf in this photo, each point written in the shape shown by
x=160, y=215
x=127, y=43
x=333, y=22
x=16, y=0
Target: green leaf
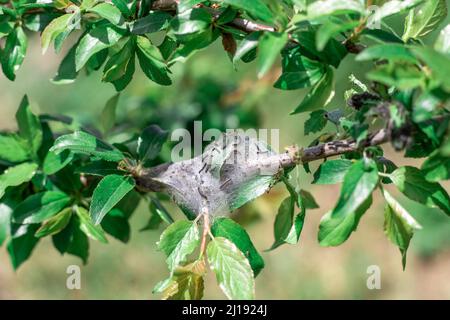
x=442, y=43
x=37, y=22
x=332, y=171
x=298, y=71
x=403, y=77
x=40, y=206
x=227, y=228
x=95, y=40
x=22, y=243
x=391, y=52
x=151, y=62
x=155, y=21
x=66, y=71
x=249, y=43
x=333, y=231
x=63, y=24
x=333, y=7
x=109, y=12
x=13, y=53
x=355, y=198
x=332, y=28
x=319, y=95
x=108, y=116
x=283, y=221
x=412, y=183
x=110, y=190
x=316, y=122
x=255, y=8
x=72, y=240
x=399, y=225
x=6, y=210
x=118, y=65
x=84, y=143
x=424, y=19
x=55, y=162
x=270, y=45
x=116, y=224
x=55, y=224
x=233, y=271
x=12, y=148
x=88, y=227
x=439, y=64
x=189, y=23
x=15, y=176
x=127, y=7
x=30, y=128
x=99, y=168
x=150, y=142
x=178, y=241
x=394, y=7
x=436, y=167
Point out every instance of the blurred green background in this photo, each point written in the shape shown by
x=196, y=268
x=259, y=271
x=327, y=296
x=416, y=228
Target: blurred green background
x=208, y=88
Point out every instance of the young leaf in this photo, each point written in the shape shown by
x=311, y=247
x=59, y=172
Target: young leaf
x=151, y=62
x=14, y=52
x=86, y=225
x=186, y=283
x=58, y=26
x=40, y=206
x=233, y=271
x=399, y=225
x=150, y=143
x=178, y=241
x=319, y=95
x=84, y=143
x=110, y=190
x=227, y=228
x=55, y=224
x=270, y=46
x=15, y=176
x=95, y=40
x=424, y=19
x=30, y=128
x=412, y=183
x=332, y=171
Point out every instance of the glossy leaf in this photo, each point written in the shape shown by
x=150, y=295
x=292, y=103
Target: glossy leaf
x=30, y=128
x=22, y=244
x=150, y=142
x=13, y=53
x=110, y=190
x=15, y=176
x=109, y=12
x=40, y=207
x=58, y=26
x=94, y=41
x=13, y=148
x=151, y=62
x=153, y=22
x=88, y=227
x=84, y=143
x=257, y=9
x=55, y=224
